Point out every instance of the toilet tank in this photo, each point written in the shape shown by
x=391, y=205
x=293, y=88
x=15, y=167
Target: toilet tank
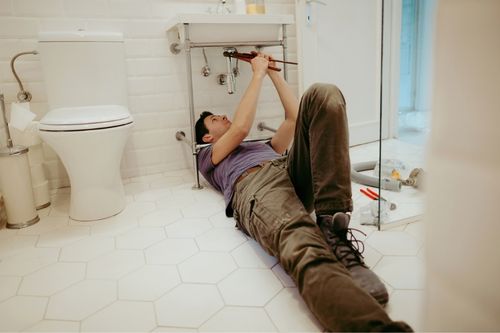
x=83, y=68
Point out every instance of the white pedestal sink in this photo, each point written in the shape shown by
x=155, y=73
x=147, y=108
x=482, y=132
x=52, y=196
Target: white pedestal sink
x=207, y=28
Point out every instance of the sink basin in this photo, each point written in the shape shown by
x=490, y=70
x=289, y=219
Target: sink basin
x=208, y=28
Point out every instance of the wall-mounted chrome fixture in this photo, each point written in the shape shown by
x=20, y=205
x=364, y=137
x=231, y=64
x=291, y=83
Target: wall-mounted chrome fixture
x=205, y=70
x=22, y=95
x=222, y=8
x=222, y=79
x=262, y=126
x=230, y=73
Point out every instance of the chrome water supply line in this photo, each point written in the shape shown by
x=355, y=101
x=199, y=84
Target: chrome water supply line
x=9, y=139
x=22, y=95
x=205, y=70
x=230, y=79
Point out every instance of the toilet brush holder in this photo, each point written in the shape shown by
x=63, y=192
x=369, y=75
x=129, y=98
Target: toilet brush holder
x=3, y=214
x=15, y=182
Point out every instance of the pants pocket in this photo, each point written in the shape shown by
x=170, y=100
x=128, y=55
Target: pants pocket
x=265, y=227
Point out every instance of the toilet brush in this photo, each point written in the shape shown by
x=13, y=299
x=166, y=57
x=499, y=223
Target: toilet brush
x=15, y=182
x=9, y=139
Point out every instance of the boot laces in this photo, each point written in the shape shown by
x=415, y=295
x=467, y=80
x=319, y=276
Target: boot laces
x=348, y=248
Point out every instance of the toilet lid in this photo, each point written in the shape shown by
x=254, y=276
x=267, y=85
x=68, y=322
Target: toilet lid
x=85, y=118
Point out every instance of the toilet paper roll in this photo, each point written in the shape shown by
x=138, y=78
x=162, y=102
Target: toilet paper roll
x=27, y=137
x=21, y=116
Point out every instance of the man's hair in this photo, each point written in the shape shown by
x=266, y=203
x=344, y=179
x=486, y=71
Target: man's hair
x=200, y=127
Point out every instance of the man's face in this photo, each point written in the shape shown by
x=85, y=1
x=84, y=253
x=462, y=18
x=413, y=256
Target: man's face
x=217, y=125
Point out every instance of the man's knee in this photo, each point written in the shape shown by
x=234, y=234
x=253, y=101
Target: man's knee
x=319, y=92
x=323, y=97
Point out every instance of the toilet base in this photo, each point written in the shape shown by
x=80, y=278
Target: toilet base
x=92, y=160
x=96, y=202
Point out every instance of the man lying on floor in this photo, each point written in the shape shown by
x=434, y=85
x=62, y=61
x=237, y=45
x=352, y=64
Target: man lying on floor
x=271, y=198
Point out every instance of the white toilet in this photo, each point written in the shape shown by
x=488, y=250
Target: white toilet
x=88, y=123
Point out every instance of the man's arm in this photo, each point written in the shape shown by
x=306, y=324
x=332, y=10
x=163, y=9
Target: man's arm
x=244, y=115
x=284, y=135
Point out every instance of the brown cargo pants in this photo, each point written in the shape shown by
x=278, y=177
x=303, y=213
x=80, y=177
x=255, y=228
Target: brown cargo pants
x=273, y=204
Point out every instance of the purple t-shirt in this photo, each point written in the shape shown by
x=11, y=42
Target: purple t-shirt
x=223, y=175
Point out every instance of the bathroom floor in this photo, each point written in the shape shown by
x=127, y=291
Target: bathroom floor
x=172, y=261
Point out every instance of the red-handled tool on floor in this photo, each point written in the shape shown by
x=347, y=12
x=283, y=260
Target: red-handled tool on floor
x=375, y=196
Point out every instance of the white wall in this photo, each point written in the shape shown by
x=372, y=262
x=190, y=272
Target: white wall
x=463, y=224
x=156, y=78
x=342, y=45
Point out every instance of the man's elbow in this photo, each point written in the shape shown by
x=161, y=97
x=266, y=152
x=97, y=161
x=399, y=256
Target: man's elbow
x=240, y=131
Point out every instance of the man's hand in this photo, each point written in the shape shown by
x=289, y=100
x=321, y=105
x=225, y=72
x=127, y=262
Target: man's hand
x=259, y=65
x=272, y=63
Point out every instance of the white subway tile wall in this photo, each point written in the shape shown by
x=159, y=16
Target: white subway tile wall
x=158, y=98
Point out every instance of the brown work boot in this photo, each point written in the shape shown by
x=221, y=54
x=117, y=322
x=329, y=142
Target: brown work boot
x=335, y=228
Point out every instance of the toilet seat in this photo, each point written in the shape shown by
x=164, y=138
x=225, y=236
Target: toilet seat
x=85, y=118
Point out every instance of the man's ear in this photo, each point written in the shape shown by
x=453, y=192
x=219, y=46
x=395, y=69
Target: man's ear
x=207, y=138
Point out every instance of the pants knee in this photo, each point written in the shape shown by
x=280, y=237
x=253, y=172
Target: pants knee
x=323, y=96
x=324, y=89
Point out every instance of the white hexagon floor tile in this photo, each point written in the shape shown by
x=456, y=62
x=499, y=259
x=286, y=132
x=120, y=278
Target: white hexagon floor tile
x=220, y=220
x=209, y=194
x=170, y=251
x=174, y=329
x=407, y=305
x=46, y=224
x=148, y=283
x=63, y=236
x=249, y=287
x=290, y=314
x=202, y=209
x=133, y=188
x=239, y=319
x=136, y=210
x=152, y=195
x=51, y=279
x=114, y=264
x=417, y=230
x=8, y=286
x=81, y=300
x=188, y=228
x=285, y=279
x=371, y=256
x=188, y=305
x=55, y=326
x=251, y=255
x=21, y=312
x=394, y=243
x=6, y=234
x=87, y=249
x=122, y=316
x=113, y=226
x=16, y=245
x=28, y=261
x=166, y=182
x=401, y=272
x=180, y=200
x=160, y=217
x=139, y=238
x=220, y=239
x=207, y=267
